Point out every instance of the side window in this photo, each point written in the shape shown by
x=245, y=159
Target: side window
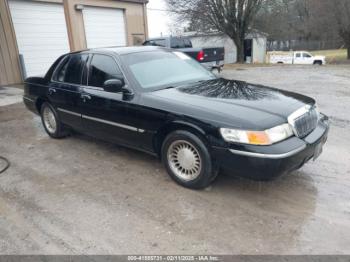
x=155, y=42
x=177, y=43
x=74, y=69
x=188, y=43
x=62, y=71
x=298, y=55
x=102, y=68
x=159, y=42
x=306, y=55
x=71, y=69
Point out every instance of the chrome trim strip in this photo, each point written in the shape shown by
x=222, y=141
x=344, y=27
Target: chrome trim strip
x=29, y=99
x=102, y=121
x=68, y=112
x=111, y=123
x=270, y=156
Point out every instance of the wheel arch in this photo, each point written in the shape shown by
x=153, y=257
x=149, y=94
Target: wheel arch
x=173, y=126
x=39, y=102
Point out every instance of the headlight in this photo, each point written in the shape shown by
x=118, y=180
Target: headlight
x=267, y=137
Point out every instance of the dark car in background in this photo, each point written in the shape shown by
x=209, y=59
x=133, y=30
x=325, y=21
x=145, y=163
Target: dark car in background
x=210, y=57
x=162, y=102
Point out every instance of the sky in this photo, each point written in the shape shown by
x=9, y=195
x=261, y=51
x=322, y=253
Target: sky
x=158, y=21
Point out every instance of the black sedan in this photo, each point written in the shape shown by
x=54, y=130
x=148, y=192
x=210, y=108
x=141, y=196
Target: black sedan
x=164, y=103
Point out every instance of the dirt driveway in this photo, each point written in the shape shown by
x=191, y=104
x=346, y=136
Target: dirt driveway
x=80, y=195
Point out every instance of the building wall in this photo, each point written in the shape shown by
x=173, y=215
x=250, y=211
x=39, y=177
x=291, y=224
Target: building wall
x=9, y=61
x=259, y=47
x=259, y=50
x=135, y=19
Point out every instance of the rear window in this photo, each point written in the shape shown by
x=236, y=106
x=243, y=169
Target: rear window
x=180, y=43
x=155, y=42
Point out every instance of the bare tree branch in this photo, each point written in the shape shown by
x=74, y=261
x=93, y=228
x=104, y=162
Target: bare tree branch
x=231, y=17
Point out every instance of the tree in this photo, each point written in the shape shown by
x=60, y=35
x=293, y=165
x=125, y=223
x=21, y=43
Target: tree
x=231, y=17
x=340, y=10
x=321, y=23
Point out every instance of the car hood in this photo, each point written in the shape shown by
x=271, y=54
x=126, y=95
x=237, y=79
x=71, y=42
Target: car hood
x=230, y=103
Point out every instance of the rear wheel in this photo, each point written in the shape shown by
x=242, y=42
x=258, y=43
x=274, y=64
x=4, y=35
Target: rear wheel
x=51, y=122
x=318, y=63
x=187, y=160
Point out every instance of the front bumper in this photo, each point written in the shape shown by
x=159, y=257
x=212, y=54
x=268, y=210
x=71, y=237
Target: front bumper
x=268, y=162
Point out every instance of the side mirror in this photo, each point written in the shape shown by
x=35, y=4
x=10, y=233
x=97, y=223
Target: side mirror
x=114, y=85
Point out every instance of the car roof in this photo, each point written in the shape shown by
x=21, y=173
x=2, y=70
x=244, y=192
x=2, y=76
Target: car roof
x=125, y=50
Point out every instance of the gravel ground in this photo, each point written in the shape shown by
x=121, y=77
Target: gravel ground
x=80, y=195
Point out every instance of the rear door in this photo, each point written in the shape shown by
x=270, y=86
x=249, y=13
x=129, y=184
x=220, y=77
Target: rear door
x=65, y=89
x=104, y=114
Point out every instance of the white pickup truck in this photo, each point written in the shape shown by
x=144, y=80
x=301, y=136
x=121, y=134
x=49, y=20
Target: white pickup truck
x=297, y=58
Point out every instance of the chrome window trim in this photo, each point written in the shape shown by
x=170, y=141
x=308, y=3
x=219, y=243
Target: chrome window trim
x=269, y=156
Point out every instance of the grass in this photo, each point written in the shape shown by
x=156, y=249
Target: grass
x=333, y=56
x=336, y=56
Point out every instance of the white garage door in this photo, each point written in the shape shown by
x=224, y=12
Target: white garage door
x=41, y=33
x=104, y=27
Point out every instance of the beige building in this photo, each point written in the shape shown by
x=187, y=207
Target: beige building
x=33, y=33
x=254, y=45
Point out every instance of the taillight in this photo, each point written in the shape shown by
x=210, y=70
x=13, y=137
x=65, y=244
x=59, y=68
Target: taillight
x=200, y=55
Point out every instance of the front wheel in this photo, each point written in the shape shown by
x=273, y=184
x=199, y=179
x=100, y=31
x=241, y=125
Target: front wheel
x=187, y=160
x=53, y=127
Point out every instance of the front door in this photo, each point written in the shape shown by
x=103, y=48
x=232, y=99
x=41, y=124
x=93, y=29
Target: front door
x=104, y=114
x=64, y=89
x=308, y=59
x=303, y=58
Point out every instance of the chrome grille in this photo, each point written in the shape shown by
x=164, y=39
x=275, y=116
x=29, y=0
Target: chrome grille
x=304, y=121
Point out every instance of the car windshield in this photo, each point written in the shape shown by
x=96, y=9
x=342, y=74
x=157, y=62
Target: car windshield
x=161, y=69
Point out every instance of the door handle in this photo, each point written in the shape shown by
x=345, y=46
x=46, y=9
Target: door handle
x=52, y=90
x=85, y=97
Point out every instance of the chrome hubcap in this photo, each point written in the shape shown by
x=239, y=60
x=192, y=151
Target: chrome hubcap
x=184, y=160
x=49, y=120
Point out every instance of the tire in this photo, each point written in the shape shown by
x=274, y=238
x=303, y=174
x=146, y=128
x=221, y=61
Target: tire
x=51, y=122
x=187, y=160
x=318, y=63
